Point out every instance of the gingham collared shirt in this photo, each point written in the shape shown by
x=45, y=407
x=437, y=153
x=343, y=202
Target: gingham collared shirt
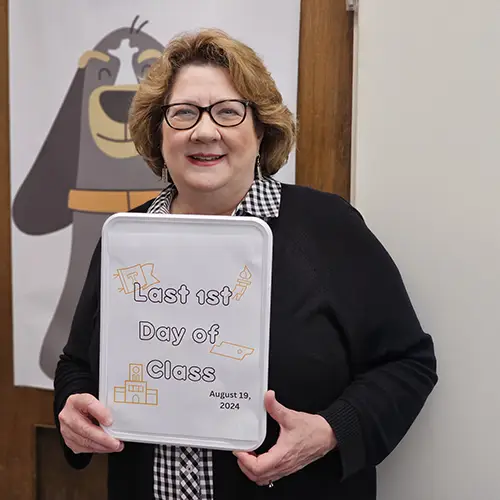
x=184, y=473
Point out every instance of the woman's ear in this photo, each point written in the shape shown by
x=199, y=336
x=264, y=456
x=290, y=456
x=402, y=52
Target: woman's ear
x=259, y=129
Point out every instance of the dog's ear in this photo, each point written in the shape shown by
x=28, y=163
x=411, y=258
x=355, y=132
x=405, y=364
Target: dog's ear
x=41, y=204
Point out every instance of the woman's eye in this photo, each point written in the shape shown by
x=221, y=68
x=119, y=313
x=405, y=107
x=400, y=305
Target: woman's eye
x=182, y=112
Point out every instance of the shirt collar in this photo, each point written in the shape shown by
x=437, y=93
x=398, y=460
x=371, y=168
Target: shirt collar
x=262, y=200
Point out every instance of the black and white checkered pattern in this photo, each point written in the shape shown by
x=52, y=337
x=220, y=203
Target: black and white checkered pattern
x=184, y=473
x=161, y=204
x=262, y=200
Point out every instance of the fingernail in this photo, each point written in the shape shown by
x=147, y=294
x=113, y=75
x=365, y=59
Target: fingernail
x=108, y=422
x=121, y=446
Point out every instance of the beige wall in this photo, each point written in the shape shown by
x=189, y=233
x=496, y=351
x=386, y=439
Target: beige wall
x=427, y=178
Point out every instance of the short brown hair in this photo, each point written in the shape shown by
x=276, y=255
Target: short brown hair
x=249, y=76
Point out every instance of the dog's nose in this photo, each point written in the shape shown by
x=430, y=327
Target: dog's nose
x=116, y=103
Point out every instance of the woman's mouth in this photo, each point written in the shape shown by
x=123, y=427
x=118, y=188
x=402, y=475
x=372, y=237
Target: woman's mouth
x=205, y=160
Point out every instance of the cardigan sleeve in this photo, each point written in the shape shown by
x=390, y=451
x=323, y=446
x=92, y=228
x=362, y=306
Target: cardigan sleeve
x=392, y=359
x=73, y=373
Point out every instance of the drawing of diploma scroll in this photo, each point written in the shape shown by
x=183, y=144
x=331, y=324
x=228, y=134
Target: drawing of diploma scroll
x=140, y=273
x=233, y=351
x=243, y=282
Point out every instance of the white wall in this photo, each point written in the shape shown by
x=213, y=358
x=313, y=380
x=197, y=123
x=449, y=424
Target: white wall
x=427, y=178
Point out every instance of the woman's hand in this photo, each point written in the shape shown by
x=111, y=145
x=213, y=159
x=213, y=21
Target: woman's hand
x=303, y=439
x=79, y=429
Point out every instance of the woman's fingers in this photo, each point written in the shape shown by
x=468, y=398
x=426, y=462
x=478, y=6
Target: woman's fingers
x=89, y=405
x=79, y=444
x=78, y=430
x=87, y=433
x=247, y=472
x=87, y=430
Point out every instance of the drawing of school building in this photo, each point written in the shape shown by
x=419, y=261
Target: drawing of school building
x=135, y=390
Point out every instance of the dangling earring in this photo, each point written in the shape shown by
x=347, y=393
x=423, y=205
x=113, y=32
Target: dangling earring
x=258, y=170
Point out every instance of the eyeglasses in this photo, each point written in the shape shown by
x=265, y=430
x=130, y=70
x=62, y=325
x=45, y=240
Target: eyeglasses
x=228, y=113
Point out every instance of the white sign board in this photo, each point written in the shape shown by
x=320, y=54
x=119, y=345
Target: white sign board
x=185, y=328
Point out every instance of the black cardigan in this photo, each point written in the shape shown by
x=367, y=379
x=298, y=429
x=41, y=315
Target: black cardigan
x=345, y=343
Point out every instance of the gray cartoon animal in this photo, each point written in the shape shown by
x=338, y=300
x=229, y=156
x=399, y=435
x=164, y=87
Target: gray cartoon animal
x=88, y=167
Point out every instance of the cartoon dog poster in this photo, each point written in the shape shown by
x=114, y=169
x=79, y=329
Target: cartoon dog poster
x=88, y=167
x=73, y=68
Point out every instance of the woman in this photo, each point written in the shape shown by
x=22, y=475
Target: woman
x=350, y=367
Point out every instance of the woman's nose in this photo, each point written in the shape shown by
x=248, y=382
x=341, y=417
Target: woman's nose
x=205, y=130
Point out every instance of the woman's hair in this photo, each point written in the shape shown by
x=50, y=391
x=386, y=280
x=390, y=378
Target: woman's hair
x=250, y=78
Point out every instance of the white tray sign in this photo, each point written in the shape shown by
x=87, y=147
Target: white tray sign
x=185, y=306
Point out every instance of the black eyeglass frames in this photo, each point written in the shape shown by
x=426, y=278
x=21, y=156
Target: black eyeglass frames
x=227, y=113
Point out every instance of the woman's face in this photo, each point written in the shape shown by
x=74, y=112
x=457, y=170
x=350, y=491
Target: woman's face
x=208, y=157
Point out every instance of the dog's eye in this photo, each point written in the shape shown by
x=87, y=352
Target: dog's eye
x=102, y=72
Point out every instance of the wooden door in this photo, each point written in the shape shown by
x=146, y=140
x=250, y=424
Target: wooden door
x=31, y=462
